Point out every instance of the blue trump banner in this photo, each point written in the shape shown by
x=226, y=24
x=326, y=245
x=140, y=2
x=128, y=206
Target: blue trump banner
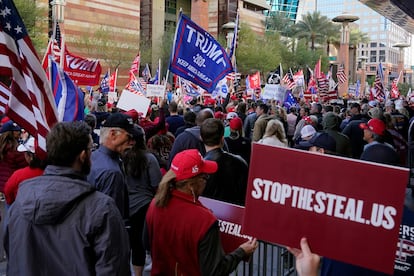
x=197, y=56
x=68, y=97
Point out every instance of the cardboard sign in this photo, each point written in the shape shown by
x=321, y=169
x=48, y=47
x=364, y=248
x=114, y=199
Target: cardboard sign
x=230, y=219
x=348, y=210
x=129, y=100
x=155, y=90
x=112, y=97
x=274, y=91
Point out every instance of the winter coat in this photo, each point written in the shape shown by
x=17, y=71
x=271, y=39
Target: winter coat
x=60, y=225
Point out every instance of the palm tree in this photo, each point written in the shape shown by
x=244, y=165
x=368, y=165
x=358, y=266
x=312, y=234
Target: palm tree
x=356, y=37
x=313, y=28
x=279, y=22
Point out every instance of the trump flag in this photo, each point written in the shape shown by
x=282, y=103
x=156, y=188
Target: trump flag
x=197, y=56
x=68, y=97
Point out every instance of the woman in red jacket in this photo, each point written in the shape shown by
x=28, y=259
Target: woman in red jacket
x=35, y=168
x=183, y=234
x=10, y=158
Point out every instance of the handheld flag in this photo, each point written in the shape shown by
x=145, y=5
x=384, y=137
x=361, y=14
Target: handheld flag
x=146, y=73
x=135, y=64
x=197, y=56
x=31, y=103
x=112, y=81
x=289, y=100
x=275, y=76
x=340, y=75
x=378, y=84
x=68, y=97
x=105, y=83
x=395, y=93
x=134, y=85
x=288, y=79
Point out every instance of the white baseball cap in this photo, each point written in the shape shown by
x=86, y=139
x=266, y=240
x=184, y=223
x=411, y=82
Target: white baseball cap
x=29, y=145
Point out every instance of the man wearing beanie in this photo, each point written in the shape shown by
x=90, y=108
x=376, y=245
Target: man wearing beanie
x=330, y=124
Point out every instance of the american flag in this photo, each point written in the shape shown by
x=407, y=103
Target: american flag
x=53, y=48
x=143, y=83
x=4, y=98
x=340, y=75
x=135, y=64
x=31, y=105
x=323, y=86
x=112, y=80
x=134, y=85
x=378, y=85
x=233, y=76
x=395, y=92
x=288, y=79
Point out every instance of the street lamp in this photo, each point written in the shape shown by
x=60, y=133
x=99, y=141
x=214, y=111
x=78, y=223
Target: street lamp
x=363, y=59
x=401, y=46
x=229, y=29
x=345, y=19
x=58, y=10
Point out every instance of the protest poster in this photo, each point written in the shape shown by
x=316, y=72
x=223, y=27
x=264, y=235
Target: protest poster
x=155, y=90
x=230, y=218
x=129, y=100
x=349, y=210
x=274, y=91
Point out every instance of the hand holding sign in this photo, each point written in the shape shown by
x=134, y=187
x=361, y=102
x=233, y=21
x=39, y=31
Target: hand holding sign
x=307, y=263
x=250, y=246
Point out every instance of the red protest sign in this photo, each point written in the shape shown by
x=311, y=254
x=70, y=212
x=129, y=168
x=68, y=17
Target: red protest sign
x=230, y=219
x=349, y=210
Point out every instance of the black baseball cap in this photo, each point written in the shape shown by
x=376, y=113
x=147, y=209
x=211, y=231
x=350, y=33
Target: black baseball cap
x=121, y=120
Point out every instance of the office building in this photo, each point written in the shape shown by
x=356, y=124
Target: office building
x=382, y=32
x=286, y=7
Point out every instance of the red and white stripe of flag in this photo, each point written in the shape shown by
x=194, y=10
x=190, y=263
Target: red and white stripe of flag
x=341, y=76
x=31, y=104
x=4, y=98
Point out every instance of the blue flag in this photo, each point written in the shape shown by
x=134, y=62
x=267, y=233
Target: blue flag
x=197, y=56
x=155, y=79
x=289, y=100
x=105, y=83
x=68, y=97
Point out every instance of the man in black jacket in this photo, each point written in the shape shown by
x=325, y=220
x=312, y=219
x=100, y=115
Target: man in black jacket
x=229, y=183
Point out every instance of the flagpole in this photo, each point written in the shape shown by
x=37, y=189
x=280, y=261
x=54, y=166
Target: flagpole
x=399, y=76
x=62, y=52
x=116, y=76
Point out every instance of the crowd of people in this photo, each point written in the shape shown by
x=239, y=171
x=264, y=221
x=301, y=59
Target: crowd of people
x=119, y=186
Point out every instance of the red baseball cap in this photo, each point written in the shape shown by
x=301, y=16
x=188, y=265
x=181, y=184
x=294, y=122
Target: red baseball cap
x=375, y=125
x=190, y=163
x=236, y=123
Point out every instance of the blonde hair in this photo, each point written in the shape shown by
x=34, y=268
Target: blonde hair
x=167, y=184
x=275, y=128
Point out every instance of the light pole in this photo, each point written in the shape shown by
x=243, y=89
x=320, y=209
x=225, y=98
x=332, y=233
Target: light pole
x=345, y=19
x=229, y=29
x=363, y=59
x=401, y=46
x=58, y=10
